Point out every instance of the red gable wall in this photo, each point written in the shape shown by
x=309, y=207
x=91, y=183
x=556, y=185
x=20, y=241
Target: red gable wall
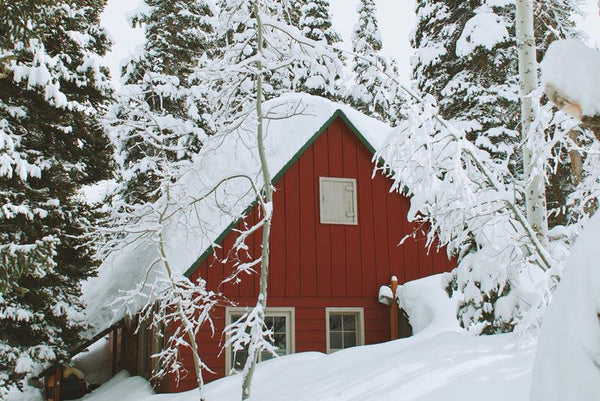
x=314, y=265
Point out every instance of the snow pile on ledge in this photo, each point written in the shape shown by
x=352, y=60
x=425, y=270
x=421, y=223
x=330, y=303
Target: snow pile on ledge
x=427, y=305
x=573, y=70
x=436, y=364
x=567, y=365
x=95, y=362
x=292, y=120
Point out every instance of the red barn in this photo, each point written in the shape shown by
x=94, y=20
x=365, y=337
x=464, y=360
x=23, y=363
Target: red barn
x=337, y=234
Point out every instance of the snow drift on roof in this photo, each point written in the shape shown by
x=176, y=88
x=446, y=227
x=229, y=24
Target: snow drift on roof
x=293, y=120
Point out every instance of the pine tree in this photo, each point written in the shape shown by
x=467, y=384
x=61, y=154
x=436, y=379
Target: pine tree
x=466, y=57
x=293, y=12
x=157, y=124
x=326, y=78
x=375, y=92
x=315, y=22
x=52, y=89
x=474, y=83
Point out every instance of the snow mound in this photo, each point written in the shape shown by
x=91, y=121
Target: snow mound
x=122, y=387
x=435, y=364
x=95, y=362
x=427, y=305
x=292, y=120
x=567, y=364
x=571, y=68
x=448, y=366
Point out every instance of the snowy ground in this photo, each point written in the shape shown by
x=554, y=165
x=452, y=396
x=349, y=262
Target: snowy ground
x=438, y=363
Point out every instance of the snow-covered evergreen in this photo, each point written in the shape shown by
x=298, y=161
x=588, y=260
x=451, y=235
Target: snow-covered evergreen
x=375, y=90
x=466, y=57
x=155, y=124
x=52, y=88
x=324, y=78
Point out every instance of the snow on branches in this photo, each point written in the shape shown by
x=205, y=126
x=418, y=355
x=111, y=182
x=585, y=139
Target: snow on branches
x=52, y=90
x=458, y=191
x=376, y=91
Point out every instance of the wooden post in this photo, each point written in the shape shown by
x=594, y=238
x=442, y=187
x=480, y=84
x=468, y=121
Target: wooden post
x=57, y=384
x=394, y=310
x=114, y=337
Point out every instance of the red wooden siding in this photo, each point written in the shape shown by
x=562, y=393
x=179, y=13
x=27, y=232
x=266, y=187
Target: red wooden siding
x=313, y=265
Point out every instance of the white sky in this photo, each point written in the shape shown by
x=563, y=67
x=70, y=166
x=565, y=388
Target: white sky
x=396, y=18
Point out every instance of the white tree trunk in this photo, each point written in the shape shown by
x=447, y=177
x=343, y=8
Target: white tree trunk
x=266, y=202
x=533, y=161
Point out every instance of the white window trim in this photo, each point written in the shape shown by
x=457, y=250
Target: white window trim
x=361, y=325
x=340, y=179
x=276, y=310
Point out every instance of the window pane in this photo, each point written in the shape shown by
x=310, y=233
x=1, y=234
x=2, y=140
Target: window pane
x=349, y=322
x=279, y=341
x=279, y=324
x=335, y=322
x=349, y=340
x=335, y=340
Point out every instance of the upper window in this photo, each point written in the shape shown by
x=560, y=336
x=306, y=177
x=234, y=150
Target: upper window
x=338, y=200
x=279, y=320
x=345, y=328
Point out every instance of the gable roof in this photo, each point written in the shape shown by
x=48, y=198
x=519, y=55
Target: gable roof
x=337, y=114
x=295, y=122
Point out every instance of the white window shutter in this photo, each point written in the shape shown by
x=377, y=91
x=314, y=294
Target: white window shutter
x=338, y=200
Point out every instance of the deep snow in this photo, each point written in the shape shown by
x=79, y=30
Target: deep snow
x=440, y=362
x=567, y=364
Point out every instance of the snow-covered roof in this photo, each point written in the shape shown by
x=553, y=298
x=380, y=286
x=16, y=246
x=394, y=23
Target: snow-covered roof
x=295, y=120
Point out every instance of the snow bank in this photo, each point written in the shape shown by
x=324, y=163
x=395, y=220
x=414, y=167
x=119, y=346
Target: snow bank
x=427, y=305
x=122, y=387
x=435, y=364
x=293, y=120
x=567, y=364
x=448, y=366
x=571, y=68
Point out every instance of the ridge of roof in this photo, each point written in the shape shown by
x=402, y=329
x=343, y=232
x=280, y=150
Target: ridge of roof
x=337, y=114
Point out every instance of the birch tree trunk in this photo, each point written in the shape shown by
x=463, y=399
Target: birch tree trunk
x=533, y=161
x=267, y=199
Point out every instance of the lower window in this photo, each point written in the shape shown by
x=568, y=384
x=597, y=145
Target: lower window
x=345, y=328
x=279, y=320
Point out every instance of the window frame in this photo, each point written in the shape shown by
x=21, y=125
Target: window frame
x=288, y=311
x=354, y=183
x=360, y=326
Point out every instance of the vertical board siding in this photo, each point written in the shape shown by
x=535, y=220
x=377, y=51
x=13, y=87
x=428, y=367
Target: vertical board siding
x=314, y=265
x=277, y=273
x=292, y=232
